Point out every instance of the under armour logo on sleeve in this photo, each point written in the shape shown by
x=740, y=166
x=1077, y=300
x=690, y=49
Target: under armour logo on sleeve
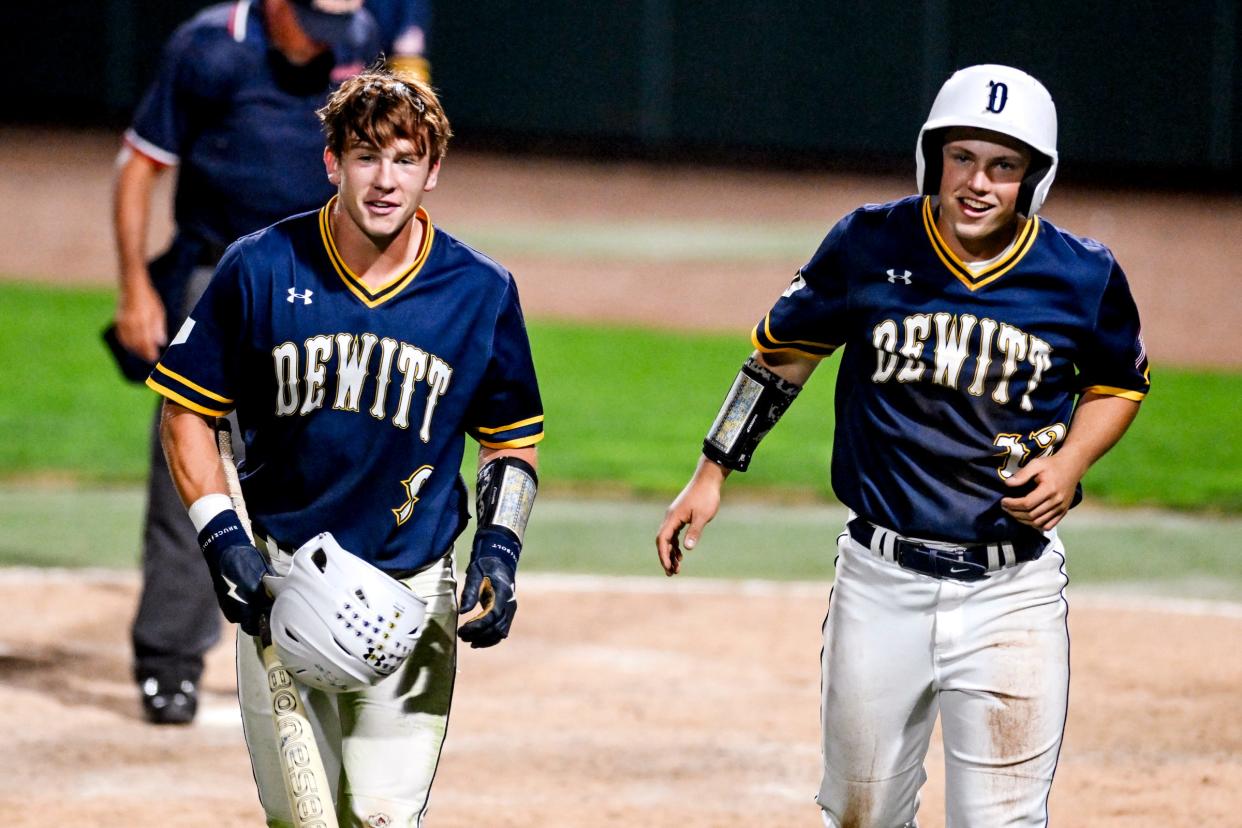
x=796, y=285
x=183, y=334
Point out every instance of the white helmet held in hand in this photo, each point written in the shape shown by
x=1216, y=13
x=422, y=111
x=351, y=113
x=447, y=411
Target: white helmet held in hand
x=998, y=98
x=338, y=623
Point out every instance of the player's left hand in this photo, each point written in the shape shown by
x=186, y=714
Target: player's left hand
x=694, y=507
x=1055, y=478
x=490, y=585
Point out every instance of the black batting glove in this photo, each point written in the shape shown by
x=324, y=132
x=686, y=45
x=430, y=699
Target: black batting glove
x=490, y=585
x=237, y=571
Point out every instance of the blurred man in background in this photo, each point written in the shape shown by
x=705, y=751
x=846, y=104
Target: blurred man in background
x=233, y=107
x=404, y=30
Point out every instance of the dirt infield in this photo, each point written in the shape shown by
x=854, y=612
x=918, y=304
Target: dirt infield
x=635, y=702
x=628, y=704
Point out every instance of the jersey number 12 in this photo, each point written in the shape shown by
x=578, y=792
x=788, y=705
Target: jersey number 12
x=1014, y=452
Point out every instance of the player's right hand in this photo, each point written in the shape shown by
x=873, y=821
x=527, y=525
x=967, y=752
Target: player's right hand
x=237, y=571
x=694, y=507
x=237, y=577
x=141, y=324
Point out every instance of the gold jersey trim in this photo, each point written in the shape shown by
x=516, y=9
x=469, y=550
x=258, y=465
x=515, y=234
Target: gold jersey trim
x=521, y=442
x=159, y=366
x=380, y=295
x=763, y=349
x=1111, y=391
x=972, y=280
x=518, y=424
x=182, y=401
x=786, y=345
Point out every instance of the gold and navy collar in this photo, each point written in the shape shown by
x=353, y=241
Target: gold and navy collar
x=972, y=280
x=380, y=295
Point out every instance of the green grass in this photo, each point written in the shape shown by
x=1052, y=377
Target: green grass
x=64, y=409
x=626, y=413
x=1177, y=555
x=630, y=406
x=57, y=526
x=1185, y=449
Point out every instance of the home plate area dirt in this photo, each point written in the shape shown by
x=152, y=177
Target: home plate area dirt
x=615, y=703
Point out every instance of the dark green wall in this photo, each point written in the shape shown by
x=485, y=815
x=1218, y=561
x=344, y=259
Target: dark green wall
x=83, y=62
x=1145, y=89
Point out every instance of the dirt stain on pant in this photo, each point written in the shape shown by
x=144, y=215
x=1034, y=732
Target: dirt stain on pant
x=1010, y=727
x=858, y=807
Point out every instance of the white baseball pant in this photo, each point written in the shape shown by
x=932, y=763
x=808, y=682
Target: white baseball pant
x=380, y=746
x=990, y=657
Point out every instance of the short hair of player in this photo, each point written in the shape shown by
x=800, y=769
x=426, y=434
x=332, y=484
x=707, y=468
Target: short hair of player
x=379, y=107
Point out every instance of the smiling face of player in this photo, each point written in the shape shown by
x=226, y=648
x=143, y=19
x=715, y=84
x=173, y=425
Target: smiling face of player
x=379, y=191
x=983, y=172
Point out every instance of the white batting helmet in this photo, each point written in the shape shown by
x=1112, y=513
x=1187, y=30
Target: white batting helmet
x=338, y=623
x=1002, y=99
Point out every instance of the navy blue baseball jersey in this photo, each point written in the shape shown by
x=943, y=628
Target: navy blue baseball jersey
x=240, y=121
x=354, y=402
x=952, y=379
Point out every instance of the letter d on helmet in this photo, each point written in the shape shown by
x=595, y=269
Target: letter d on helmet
x=1002, y=99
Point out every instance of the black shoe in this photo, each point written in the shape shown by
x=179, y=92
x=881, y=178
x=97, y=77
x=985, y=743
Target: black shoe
x=169, y=702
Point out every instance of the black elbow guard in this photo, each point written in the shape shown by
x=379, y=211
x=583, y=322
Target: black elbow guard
x=505, y=495
x=756, y=401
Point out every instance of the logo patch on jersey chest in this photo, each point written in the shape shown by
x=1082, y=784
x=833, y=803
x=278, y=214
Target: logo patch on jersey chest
x=305, y=297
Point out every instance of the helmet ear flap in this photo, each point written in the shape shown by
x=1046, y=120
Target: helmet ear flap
x=1035, y=175
x=933, y=161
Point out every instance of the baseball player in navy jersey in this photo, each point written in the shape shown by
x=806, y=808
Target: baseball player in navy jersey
x=233, y=110
x=989, y=359
x=359, y=344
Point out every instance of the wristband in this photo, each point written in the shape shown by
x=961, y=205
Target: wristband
x=206, y=507
x=221, y=532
